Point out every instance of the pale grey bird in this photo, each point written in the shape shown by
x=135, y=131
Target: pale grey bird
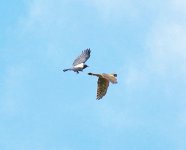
x=79, y=62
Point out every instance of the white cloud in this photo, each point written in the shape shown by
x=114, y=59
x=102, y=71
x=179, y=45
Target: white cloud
x=37, y=16
x=114, y=8
x=167, y=49
x=165, y=53
x=44, y=25
x=178, y=5
x=44, y=17
x=135, y=77
x=182, y=118
x=11, y=100
x=122, y=118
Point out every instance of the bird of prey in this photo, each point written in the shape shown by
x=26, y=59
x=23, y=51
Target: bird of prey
x=79, y=62
x=103, y=83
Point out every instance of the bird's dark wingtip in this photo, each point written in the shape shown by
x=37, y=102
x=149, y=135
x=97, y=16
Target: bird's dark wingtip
x=88, y=50
x=89, y=73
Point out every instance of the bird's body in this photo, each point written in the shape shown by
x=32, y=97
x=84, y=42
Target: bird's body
x=103, y=83
x=79, y=62
x=76, y=68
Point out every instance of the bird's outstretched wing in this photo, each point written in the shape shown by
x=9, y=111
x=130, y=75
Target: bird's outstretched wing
x=83, y=57
x=102, y=87
x=103, y=83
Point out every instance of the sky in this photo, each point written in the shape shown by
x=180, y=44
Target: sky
x=43, y=108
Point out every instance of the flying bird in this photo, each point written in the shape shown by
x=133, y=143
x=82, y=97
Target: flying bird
x=103, y=83
x=79, y=62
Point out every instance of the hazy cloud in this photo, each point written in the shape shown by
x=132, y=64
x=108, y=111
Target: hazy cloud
x=12, y=98
x=167, y=49
x=178, y=5
x=110, y=9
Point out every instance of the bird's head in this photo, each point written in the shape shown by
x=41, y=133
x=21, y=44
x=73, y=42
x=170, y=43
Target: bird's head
x=115, y=75
x=85, y=66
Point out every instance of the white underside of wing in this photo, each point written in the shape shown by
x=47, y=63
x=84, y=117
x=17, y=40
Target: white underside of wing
x=79, y=65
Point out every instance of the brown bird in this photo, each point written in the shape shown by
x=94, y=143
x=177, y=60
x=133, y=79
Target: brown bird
x=103, y=83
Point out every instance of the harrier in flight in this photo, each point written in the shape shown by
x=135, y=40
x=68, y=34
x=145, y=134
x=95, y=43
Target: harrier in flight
x=103, y=83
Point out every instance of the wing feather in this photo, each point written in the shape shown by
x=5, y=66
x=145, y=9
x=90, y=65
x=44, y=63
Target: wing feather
x=102, y=87
x=83, y=57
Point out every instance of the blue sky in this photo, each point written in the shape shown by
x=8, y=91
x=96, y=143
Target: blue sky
x=43, y=108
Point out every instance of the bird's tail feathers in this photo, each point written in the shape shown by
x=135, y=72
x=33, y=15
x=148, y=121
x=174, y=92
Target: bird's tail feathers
x=93, y=74
x=67, y=69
